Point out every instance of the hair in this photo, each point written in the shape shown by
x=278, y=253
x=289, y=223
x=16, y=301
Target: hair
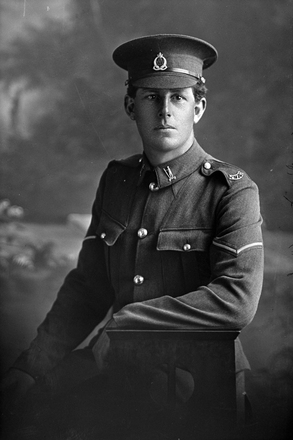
x=199, y=91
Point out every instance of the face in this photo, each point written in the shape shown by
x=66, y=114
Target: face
x=165, y=119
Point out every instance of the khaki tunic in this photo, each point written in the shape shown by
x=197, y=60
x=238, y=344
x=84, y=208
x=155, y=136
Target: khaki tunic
x=174, y=247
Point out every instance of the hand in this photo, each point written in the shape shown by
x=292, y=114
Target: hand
x=14, y=386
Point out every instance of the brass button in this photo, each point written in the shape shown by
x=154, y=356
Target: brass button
x=153, y=186
x=142, y=232
x=103, y=235
x=207, y=165
x=187, y=247
x=138, y=280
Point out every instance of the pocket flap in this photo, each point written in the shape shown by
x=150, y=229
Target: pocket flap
x=109, y=229
x=184, y=240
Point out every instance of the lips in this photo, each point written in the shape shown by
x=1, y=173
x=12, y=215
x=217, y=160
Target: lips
x=165, y=127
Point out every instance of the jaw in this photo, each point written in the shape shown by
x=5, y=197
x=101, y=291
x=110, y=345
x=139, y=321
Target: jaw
x=166, y=145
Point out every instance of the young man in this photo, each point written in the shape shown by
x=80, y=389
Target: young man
x=175, y=238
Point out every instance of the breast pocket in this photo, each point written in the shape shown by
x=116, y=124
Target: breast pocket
x=109, y=229
x=189, y=248
x=184, y=240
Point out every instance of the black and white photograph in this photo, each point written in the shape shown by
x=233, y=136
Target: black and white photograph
x=146, y=219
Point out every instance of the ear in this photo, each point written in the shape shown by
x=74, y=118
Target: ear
x=199, y=110
x=129, y=107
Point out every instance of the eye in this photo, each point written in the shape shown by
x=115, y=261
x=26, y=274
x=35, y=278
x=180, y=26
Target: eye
x=178, y=97
x=151, y=97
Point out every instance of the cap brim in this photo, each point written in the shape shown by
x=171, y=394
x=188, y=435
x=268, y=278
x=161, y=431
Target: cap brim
x=166, y=80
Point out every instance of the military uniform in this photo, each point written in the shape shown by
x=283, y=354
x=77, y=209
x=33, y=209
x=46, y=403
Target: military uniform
x=175, y=246
x=172, y=246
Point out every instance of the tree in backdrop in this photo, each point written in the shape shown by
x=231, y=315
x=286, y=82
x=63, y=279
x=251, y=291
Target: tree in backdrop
x=62, y=101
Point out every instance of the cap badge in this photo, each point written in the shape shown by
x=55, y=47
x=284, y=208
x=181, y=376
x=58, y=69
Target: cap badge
x=160, y=62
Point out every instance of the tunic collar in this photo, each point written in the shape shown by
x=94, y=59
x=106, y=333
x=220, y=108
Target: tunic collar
x=177, y=169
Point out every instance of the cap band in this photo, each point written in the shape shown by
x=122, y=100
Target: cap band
x=177, y=70
x=173, y=69
x=160, y=65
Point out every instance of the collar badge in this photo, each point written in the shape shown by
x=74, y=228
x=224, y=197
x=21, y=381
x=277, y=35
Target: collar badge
x=160, y=62
x=236, y=176
x=169, y=174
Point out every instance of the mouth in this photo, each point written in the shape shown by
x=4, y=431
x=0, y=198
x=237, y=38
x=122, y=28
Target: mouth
x=164, y=127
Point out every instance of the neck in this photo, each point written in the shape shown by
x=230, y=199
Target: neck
x=161, y=158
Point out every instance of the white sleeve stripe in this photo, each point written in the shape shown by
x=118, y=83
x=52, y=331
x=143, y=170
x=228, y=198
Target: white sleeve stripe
x=90, y=237
x=238, y=251
x=247, y=246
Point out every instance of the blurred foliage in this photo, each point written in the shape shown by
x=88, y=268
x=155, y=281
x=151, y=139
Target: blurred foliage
x=20, y=249
x=66, y=109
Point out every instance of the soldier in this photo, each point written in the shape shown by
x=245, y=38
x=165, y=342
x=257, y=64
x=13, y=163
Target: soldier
x=175, y=237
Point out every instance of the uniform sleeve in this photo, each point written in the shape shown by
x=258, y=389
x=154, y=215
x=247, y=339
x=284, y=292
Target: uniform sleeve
x=230, y=299
x=81, y=304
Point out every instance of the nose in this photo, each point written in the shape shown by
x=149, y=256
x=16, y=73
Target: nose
x=164, y=111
